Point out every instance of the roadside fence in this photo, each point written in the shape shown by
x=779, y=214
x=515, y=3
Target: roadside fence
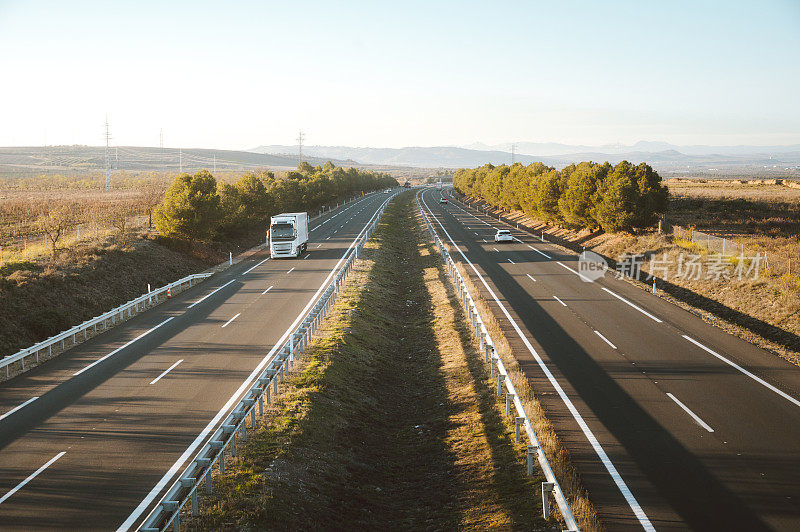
x=778, y=264
x=223, y=442
x=71, y=336
x=504, y=386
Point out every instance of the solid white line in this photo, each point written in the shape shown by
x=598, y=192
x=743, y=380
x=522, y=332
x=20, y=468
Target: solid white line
x=31, y=477
x=166, y=371
x=173, y=470
x=740, y=368
x=601, y=453
x=256, y=266
x=26, y=403
x=211, y=293
x=632, y=305
x=531, y=278
x=267, y=290
x=230, y=320
x=573, y=271
x=291, y=270
x=511, y=261
x=694, y=416
x=557, y=299
x=604, y=339
x=120, y=348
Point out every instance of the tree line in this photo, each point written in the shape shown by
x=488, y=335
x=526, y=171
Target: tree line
x=589, y=195
x=198, y=207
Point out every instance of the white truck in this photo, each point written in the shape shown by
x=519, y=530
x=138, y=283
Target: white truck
x=288, y=234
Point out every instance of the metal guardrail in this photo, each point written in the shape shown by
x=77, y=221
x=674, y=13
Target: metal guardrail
x=71, y=335
x=224, y=439
x=498, y=371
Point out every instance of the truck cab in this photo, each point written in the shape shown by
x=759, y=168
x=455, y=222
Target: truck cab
x=288, y=234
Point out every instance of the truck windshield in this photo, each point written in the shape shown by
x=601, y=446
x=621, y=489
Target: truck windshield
x=282, y=231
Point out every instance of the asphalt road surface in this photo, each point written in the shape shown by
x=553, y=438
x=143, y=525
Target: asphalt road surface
x=672, y=423
x=85, y=437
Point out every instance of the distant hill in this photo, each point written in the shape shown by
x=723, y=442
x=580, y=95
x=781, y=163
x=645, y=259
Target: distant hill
x=552, y=148
x=670, y=161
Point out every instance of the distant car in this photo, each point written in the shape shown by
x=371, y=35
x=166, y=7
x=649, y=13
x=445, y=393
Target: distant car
x=503, y=235
x=442, y=200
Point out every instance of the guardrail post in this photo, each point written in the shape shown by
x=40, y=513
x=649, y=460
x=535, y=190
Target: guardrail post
x=518, y=422
x=547, y=489
x=509, y=402
x=532, y=450
x=500, y=379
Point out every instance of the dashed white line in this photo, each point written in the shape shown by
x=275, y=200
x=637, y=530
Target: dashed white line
x=740, y=368
x=598, y=333
x=211, y=293
x=120, y=348
x=632, y=305
x=576, y=273
x=496, y=250
x=230, y=320
x=319, y=245
x=23, y=405
x=166, y=371
x=511, y=261
x=256, y=266
x=307, y=255
x=531, y=278
x=291, y=270
x=694, y=416
x=267, y=290
x=542, y=253
x=328, y=238
x=33, y=475
x=557, y=299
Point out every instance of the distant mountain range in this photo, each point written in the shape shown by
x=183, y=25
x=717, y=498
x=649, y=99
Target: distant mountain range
x=666, y=158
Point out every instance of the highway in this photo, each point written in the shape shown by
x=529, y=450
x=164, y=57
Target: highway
x=672, y=423
x=92, y=438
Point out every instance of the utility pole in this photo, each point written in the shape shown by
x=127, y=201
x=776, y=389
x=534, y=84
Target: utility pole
x=215, y=163
x=513, y=152
x=108, y=157
x=116, y=156
x=300, y=148
x=180, y=160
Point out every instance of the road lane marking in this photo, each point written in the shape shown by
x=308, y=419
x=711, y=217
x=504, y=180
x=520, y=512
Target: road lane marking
x=740, y=368
x=694, y=416
x=230, y=320
x=542, y=253
x=531, y=278
x=632, y=305
x=166, y=371
x=576, y=273
x=23, y=405
x=190, y=450
x=120, y=348
x=256, y=266
x=634, y=505
x=319, y=245
x=33, y=475
x=211, y=293
x=598, y=333
x=557, y=299
x=511, y=261
x=328, y=238
x=267, y=290
x=291, y=270
x=307, y=255
x=496, y=250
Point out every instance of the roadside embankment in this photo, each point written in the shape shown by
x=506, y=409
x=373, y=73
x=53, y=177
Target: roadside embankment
x=389, y=420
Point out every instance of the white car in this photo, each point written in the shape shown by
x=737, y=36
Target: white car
x=503, y=235
x=442, y=200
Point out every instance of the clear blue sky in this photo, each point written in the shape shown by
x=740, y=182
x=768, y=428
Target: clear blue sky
x=238, y=74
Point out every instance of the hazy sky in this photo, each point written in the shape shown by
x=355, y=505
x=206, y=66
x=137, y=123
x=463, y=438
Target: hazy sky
x=238, y=74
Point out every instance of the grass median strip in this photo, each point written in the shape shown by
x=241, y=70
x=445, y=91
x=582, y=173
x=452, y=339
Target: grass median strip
x=389, y=420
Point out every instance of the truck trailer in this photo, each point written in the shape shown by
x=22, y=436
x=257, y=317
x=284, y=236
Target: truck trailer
x=288, y=234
